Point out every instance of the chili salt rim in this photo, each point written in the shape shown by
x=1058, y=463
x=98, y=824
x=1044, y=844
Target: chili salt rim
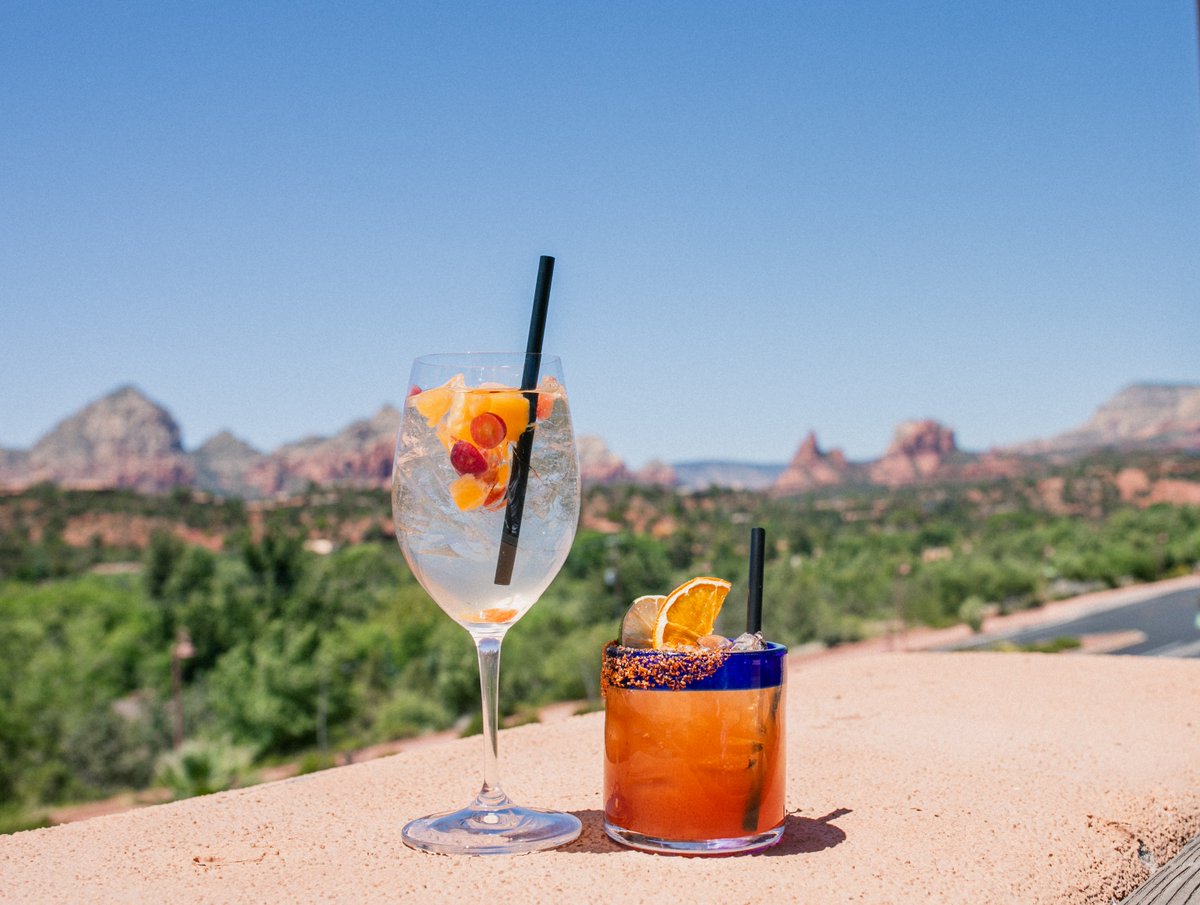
x=630, y=667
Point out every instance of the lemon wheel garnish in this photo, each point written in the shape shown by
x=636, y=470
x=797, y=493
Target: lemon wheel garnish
x=637, y=628
x=689, y=612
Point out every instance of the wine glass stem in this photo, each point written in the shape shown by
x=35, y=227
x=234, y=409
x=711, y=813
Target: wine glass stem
x=488, y=648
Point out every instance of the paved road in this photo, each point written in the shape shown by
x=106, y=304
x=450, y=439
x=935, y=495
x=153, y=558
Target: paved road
x=1170, y=622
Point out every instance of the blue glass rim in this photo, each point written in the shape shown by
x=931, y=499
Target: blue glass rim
x=741, y=670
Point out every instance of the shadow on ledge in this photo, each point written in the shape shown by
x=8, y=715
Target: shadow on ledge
x=806, y=835
x=801, y=835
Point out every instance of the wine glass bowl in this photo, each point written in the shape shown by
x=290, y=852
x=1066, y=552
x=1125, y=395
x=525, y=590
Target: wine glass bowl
x=485, y=501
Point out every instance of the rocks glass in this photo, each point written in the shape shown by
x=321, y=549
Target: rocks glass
x=694, y=752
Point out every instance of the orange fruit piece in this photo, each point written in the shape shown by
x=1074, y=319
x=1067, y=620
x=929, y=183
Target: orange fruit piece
x=689, y=612
x=496, y=614
x=512, y=407
x=468, y=492
x=637, y=628
x=548, y=391
x=434, y=403
x=465, y=405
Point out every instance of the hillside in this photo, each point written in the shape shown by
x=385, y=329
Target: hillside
x=1139, y=416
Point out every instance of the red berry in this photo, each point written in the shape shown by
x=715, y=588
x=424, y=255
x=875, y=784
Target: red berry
x=488, y=430
x=414, y=390
x=466, y=459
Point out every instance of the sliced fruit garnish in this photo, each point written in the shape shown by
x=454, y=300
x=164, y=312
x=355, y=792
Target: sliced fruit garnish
x=433, y=404
x=496, y=614
x=468, y=492
x=477, y=427
x=488, y=430
x=466, y=459
x=637, y=628
x=497, y=498
x=512, y=408
x=549, y=391
x=497, y=478
x=464, y=407
x=689, y=612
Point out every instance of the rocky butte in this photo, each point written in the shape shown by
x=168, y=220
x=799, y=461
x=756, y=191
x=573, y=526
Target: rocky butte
x=811, y=468
x=919, y=449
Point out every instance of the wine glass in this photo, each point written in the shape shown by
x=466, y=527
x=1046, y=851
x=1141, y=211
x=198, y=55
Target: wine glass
x=485, y=500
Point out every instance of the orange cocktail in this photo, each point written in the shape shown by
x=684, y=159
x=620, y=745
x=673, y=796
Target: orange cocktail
x=694, y=748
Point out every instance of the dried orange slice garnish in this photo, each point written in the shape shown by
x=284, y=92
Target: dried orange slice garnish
x=637, y=628
x=689, y=612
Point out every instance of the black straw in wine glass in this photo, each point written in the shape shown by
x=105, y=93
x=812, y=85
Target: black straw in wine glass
x=515, y=506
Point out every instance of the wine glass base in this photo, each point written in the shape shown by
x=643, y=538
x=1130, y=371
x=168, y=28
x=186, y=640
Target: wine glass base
x=503, y=831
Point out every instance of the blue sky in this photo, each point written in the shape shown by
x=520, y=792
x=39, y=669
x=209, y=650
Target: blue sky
x=767, y=217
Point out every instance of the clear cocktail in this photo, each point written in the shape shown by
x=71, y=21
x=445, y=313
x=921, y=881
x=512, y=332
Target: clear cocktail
x=480, y=462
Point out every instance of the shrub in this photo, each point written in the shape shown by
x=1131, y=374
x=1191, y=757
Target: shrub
x=204, y=766
x=408, y=714
x=972, y=612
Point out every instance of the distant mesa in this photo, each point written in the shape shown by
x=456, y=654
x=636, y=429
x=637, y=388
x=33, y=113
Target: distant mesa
x=1144, y=415
x=126, y=440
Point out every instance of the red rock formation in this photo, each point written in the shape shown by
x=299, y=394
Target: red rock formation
x=120, y=440
x=1177, y=493
x=1135, y=486
x=811, y=468
x=222, y=464
x=126, y=440
x=656, y=474
x=598, y=464
x=1141, y=415
x=14, y=468
x=917, y=452
x=359, y=456
x=991, y=465
x=117, y=529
